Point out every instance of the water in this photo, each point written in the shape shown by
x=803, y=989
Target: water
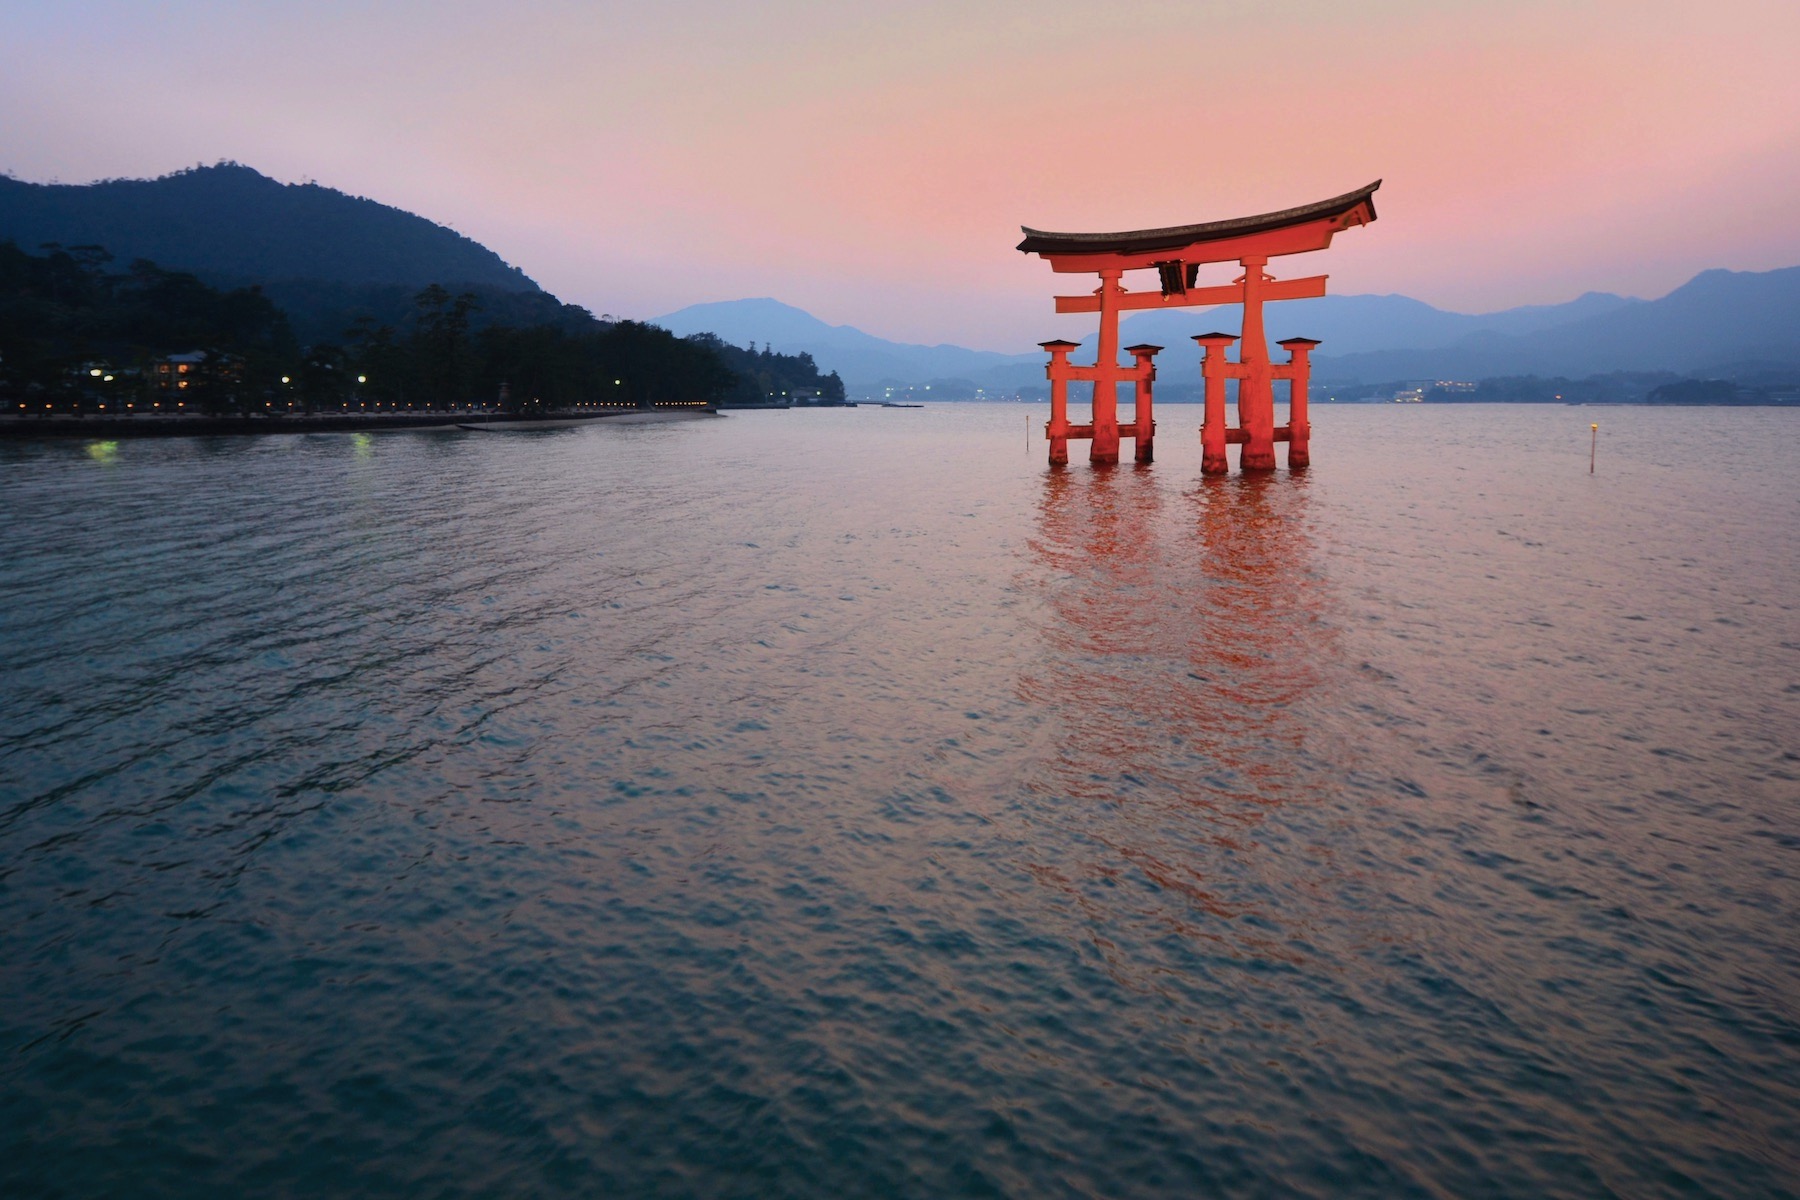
x=836, y=803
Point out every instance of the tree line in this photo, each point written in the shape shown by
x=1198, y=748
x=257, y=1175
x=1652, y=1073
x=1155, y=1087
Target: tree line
x=78, y=335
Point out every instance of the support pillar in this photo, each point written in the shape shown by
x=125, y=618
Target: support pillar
x=1256, y=393
x=1104, y=448
x=1056, y=430
x=1299, y=373
x=1143, y=419
x=1214, y=369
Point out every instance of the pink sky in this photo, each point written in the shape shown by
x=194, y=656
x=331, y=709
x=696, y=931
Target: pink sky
x=872, y=163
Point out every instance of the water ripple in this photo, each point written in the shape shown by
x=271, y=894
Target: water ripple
x=833, y=803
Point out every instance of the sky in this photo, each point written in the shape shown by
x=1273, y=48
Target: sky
x=872, y=163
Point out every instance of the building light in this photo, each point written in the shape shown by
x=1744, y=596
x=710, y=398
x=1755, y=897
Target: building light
x=359, y=379
x=96, y=372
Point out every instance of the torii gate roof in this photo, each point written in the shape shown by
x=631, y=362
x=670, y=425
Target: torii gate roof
x=1352, y=208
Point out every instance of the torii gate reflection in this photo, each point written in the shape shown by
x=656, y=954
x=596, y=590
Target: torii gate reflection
x=1176, y=254
x=1175, y=686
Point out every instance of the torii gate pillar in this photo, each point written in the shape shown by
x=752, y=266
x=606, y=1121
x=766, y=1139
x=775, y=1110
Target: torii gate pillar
x=1256, y=395
x=1299, y=369
x=1104, y=446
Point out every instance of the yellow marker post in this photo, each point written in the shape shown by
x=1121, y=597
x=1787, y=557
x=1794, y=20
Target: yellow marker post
x=1593, y=445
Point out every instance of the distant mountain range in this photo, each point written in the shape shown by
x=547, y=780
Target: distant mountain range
x=861, y=359
x=325, y=257
x=1717, y=322
x=1721, y=323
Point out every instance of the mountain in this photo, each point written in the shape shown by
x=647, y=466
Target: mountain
x=326, y=257
x=322, y=255
x=233, y=223
x=1389, y=323
x=1371, y=324
x=1717, y=321
x=1368, y=323
x=861, y=359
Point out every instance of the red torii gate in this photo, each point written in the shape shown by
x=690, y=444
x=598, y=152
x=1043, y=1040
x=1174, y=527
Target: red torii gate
x=1176, y=254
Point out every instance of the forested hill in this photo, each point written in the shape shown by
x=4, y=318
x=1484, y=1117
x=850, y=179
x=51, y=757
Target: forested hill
x=78, y=336
x=231, y=224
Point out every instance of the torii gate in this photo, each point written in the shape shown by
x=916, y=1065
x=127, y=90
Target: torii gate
x=1176, y=255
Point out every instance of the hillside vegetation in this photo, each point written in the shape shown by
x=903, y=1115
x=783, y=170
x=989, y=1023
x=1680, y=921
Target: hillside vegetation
x=78, y=336
x=324, y=257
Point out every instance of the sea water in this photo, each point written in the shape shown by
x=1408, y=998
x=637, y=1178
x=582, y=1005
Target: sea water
x=841, y=803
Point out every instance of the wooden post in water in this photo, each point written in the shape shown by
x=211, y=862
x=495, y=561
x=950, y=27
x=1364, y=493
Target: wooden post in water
x=1214, y=369
x=1143, y=417
x=1297, y=371
x=1256, y=396
x=1103, y=439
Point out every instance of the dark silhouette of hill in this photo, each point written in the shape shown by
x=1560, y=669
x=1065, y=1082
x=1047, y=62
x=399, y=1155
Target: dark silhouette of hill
x=232, y=223
x=321, y=310
x=323, y=256
x=78, y=337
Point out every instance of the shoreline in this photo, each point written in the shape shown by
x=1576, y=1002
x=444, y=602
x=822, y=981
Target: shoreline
x=28, y=428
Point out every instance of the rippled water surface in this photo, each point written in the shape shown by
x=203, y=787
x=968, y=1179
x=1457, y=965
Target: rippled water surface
x=838, y=803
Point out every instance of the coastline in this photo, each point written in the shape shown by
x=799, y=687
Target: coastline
x=29, y=428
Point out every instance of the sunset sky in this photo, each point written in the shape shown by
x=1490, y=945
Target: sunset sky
x=872, y=163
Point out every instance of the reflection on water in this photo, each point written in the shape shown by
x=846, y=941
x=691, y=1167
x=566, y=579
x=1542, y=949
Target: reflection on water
x=1191, y=631
x=831, y=803
x=1185, y=627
